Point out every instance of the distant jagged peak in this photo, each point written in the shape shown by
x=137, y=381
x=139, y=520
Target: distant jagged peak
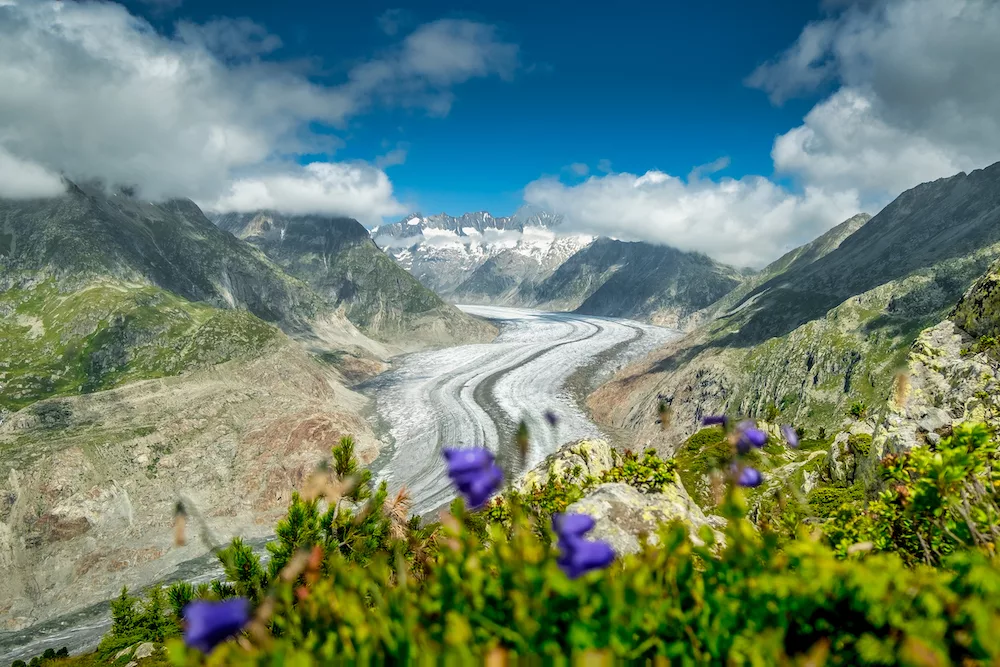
x=468, y=224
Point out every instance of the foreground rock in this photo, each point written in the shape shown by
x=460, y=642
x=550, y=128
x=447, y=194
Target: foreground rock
x=624, y=514
x=572, y=464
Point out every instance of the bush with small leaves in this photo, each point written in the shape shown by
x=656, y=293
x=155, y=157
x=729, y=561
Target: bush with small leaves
x=935, y=502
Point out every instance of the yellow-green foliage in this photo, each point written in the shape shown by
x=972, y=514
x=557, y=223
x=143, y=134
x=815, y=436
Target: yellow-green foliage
x=752, y=604
x=825, y=501
x=860, y=444
x=936, y=501
x=494, y=588
x=703, y=452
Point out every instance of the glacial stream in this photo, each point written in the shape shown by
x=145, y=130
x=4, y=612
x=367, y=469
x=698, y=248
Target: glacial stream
x=470, y=395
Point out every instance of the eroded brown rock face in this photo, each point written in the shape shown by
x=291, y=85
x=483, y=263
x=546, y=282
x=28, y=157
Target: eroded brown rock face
x=87, y=506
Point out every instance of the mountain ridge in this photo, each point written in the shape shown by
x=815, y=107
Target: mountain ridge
x=802, y=342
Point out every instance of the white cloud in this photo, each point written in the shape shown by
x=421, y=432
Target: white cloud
x=914, y=96
x=352, y=189
x=392, y=20
x=918, y=98
x=579, y=168
x=393, y=158
x=746, y=222
x=21, y=179
x=93, y=92
x=230, y=38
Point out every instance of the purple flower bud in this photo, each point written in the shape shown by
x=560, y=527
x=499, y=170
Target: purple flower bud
x=575, y=525
x=791, y=437
x=750, y=436
x=579, y=555
x=715, y=420
x=749, y=477
x=474, y=474
x=551, y=418
x=462, y=460
x=208, y=624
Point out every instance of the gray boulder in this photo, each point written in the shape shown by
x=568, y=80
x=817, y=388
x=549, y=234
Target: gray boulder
x=623, y=514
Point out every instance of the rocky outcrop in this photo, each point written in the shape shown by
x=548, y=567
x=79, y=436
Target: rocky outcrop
x=625, y=515
x=340, y=261
x=952, y=374
x=572, y=464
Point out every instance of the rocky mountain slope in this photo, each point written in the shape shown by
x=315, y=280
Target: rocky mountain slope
x=826, y=330
x=98, y=290
x=339, y=260
x=636, y=280
x=147, y=355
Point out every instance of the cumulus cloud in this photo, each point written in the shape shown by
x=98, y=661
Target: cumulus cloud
x=746, y=222
x=917, y=98
x=92, y=91
x=230, y=38
x=911, y=95
x=579, y=168
x=352, y=189
x=392, y=20
x=21, y=179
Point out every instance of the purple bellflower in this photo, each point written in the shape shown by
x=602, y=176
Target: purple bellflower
x=578, y=554
x=715, y=420
x=791, y=437
x=208, y=624
x=749, y=436
x=748, y=477
x=474, y=473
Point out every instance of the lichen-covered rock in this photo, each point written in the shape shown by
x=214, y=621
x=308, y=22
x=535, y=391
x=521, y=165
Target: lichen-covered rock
x=144, y=651
x=840, y=462
x=572, y=464
x=945, y=385
x=623, y=514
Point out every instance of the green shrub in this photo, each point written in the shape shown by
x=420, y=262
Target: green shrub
x=489, y=584
x=825, y=501
x=753, y=603
x=860, y=444
x=19, y=663
x=935, y=501
x=858, y=410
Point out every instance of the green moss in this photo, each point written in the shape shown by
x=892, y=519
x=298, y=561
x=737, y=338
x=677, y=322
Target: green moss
x=860, y=444
x=825, y=501
x=703, y=452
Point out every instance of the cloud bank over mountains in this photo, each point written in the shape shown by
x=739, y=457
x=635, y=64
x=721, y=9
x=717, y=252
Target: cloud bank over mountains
x=906, y=93
x=916, y=98
x=93, y=92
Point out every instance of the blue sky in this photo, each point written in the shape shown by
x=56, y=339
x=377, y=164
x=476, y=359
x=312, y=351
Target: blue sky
x=810, y=110
x=651, y=86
